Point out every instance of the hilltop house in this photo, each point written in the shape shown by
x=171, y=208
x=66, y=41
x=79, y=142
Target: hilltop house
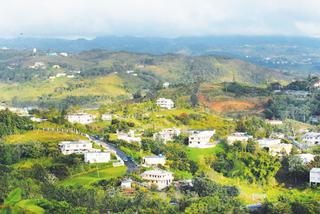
x=311, y=138
x=166, y=85
x=306, y=158
x=160, y=178
x=200, y=139
x=82, y=118
x=128, y=137
x=315, y=176
x=274, y=122
x=316, y=85
x=239, y=136
x=97, y=157
x=126, y=184
x=300, y=95
x=78, y=147
x=154, y=160
x=165, y=103
x=277, y=135
x=166, y=135
x=274, y=146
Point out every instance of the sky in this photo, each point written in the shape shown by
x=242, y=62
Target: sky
x=158, y=18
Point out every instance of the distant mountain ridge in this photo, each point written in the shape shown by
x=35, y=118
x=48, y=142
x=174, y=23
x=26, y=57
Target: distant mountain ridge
x=298, y=55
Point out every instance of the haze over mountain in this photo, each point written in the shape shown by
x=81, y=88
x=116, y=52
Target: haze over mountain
x=291, y=54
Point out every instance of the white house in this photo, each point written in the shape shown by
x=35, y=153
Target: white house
x=126, y=184
x=275, y=146
x=166, y=85
x=97, y=157
x=166, y=135
x=316, y=85
x=274, y=122
x=63, y=54
x=315, y=176
x=37, y=120
x=239, y=136
x=311, y=138
x=106, y=117
x=128, y=137
x=78, y=147
x=266, y=142
x=154, y=160
x=160, y=178
x=306, y=158
x=165, y=103
x=61, y=75
x=200, y=139
x=82, y=118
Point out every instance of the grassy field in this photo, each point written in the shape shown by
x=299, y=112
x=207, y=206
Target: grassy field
x=109, y=85
x=42, y=136
x=249, y=193
x=95, y=175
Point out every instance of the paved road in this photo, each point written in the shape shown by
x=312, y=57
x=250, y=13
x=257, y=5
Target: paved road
x=131, y=164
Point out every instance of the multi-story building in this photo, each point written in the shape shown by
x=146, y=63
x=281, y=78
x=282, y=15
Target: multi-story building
x=165, y=103
x=160, y=178
x=78, y=147
x=82, y=118
x=239, y=136
x=200, y=139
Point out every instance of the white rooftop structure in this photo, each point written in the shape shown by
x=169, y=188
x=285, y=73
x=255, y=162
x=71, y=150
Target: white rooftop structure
x=277, y=135
x=265, y=142
x=239, y=136
x=78, y=147
x=315, y=176
x=165, y=103
x=274, y=122
x=200, y=139
x=316, y=85
x=126, y=184
x=166, y=135
x=311, y=138
x=82, y=118
x=97, y=157
x=166, y=85
x=306, y=158
x=160, y=178
x=154, y=160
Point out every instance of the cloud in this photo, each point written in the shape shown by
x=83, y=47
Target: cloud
x=90, y=18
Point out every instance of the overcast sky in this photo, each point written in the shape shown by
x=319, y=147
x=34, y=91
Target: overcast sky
x=162, y=18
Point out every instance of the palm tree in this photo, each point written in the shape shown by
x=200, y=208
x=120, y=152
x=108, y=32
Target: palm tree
x=14, y=204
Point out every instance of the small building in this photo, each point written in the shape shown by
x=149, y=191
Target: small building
x=56, y=66
x=154, y=160
x=165, y=103
x=166, y=135
x=78, y=147
x=166, y=85
x=239, y=136
x=126, y=184
x=37, y=120
x=300, y=95
x=128, y=137
x=64, y=54
x=61, y=75
x=200, y=139
x=266, y=142
x=316, y=85
x=275, y=147
x=306, y=158
x=97, y=157
x=160, y=178
x=277, y=135
x=315, y=176
x=106, y=117
x=311, y=138
x=274, y=122
x=82, y=118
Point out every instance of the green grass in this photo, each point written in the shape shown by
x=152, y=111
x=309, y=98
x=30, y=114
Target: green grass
x=93, y=176
x=42, y=136
x=199, y=155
